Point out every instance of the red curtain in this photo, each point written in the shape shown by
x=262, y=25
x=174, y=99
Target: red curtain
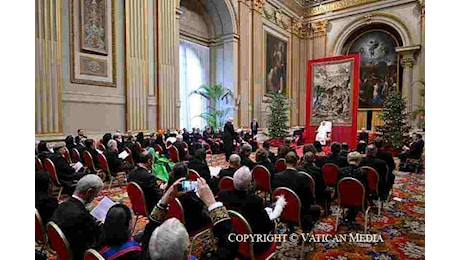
x=339, y=133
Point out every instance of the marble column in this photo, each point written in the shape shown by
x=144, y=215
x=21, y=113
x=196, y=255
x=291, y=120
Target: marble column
x=48, y=74
x=319, y=34
x=258, y=86
x=137, y=65
x=407, y=58
x=168, y=63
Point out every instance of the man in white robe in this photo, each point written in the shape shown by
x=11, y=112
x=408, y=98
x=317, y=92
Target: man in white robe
x=322, y=132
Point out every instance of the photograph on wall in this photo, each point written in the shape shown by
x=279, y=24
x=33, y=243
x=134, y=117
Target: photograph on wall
x=94, y=26
x=276, y=64
x=331, y=98
x=379, y=66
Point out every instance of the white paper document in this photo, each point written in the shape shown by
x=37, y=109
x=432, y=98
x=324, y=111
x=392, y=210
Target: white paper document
x=101, y=209
x=123, y=155
x=78, y=166
x=215, y=170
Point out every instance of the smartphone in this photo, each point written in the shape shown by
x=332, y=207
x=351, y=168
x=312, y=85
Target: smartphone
x=188, y=186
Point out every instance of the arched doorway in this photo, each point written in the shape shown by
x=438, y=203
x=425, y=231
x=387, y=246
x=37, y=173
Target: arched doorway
x=380, y=69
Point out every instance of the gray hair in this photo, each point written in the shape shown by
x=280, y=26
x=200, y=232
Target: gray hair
x=89, y=181
x=169, y=241
x=179, y=138
x=371, y=150
x=246, y=148
x=242, y=178
x=354, y=158
x=309, y=157
x=112, y=144
x=234, y=159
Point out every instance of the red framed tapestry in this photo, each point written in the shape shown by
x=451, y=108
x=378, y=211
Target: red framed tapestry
x=332, y=94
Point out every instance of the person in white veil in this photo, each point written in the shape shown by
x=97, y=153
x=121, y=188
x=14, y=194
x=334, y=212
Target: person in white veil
x=321, y=133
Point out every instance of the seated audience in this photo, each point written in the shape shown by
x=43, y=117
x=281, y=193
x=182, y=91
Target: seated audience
x=44, y=202
x=43, y=151
x=199, y=164
x=363, y=139
x=140, y=139
x=119, y=139
x=65, y=172
x=251, y=206
x=415, y=150
x=81, y=147
x=308, y=166
x=388, y=158
x=344, y=150
x=69, y=143
x=246, y=150
x=319, y=149
x=170, y=240
x=80, y=228
x=105, y=139
x=271, y=155
x=262, y=159
x=180, y=145
x=234, y=164
x=116, y=164
x=116, y=239
x=142, y=175
x=131, y=144
x=353, y=170
x=80, y=135
x=195, y=214
x=298, y=182
x=308, y=148
x=90, y=146
x=334, y=157
x=379, y=165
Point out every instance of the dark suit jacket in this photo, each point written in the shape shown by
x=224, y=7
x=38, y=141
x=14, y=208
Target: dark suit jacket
x=195, y=212
x=254, y=126
x=272, y=157
x=78, y=226
x=94, y=154
x=115, y=163
x=381, y=168
x=228, y=136
x=355, y=172
x=388, y=158
x=245, y=161
x=315, y=172
x=135, y=153
x=65, y=172
x=297, y=182
x=416, y=149
x=332, y=158
x=181, y=149
x=148, y=183
x=251, y=207
x=44, y=203
x=227, y=172
x=80, y=149
x=269, y=165
x=201, y=167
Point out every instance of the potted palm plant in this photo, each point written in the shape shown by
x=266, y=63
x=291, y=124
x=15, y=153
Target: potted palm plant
x=218, y=98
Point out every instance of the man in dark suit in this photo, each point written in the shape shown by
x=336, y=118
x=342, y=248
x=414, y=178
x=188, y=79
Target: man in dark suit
x=80, y=135
x=388, y=158
x=147, y=181
x=234, y=164
x=66, y=173
x=254, y=127
x=246, y=150
x=271, y=155
x=79, y=227
x=251, y=206
x=262, y=159
x=379, y=165
x=334, y=157
x=314, y=171
x=91, y=148
x=228, y=137
x=298, y=182
x=180, y=145
x=117, y=137
x=416, y=149
x=344, y=150
x=363, y=139
x=116, y=164
x=81, y=147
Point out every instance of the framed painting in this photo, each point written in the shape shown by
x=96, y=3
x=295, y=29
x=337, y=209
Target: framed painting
x=93, y=20
x=92, y=42
x=276, y=65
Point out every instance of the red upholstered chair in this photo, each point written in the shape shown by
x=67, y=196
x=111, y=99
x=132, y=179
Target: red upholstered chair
x=193, y=175
x=67, y=155
x=226, y=183
x=49, y=167
x=173, y=154
x=291, y=212
x=261, y=176
x=330, y=174
x=75, y=156
x=58, y=241
x=89, y=163
x=40, y=233
x=92, y=254
x=312, y=185
x=245, y=249
x=352, y=194
x=100, y=146
x=38, y=164
x=280, y=165
x=158, y=148
x=105, y=167
x=373, y=184
x=136, y=196
x=139, y=147
x=176, y=210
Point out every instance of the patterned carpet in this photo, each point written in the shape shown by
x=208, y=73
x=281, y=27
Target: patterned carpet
x=401, y=224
